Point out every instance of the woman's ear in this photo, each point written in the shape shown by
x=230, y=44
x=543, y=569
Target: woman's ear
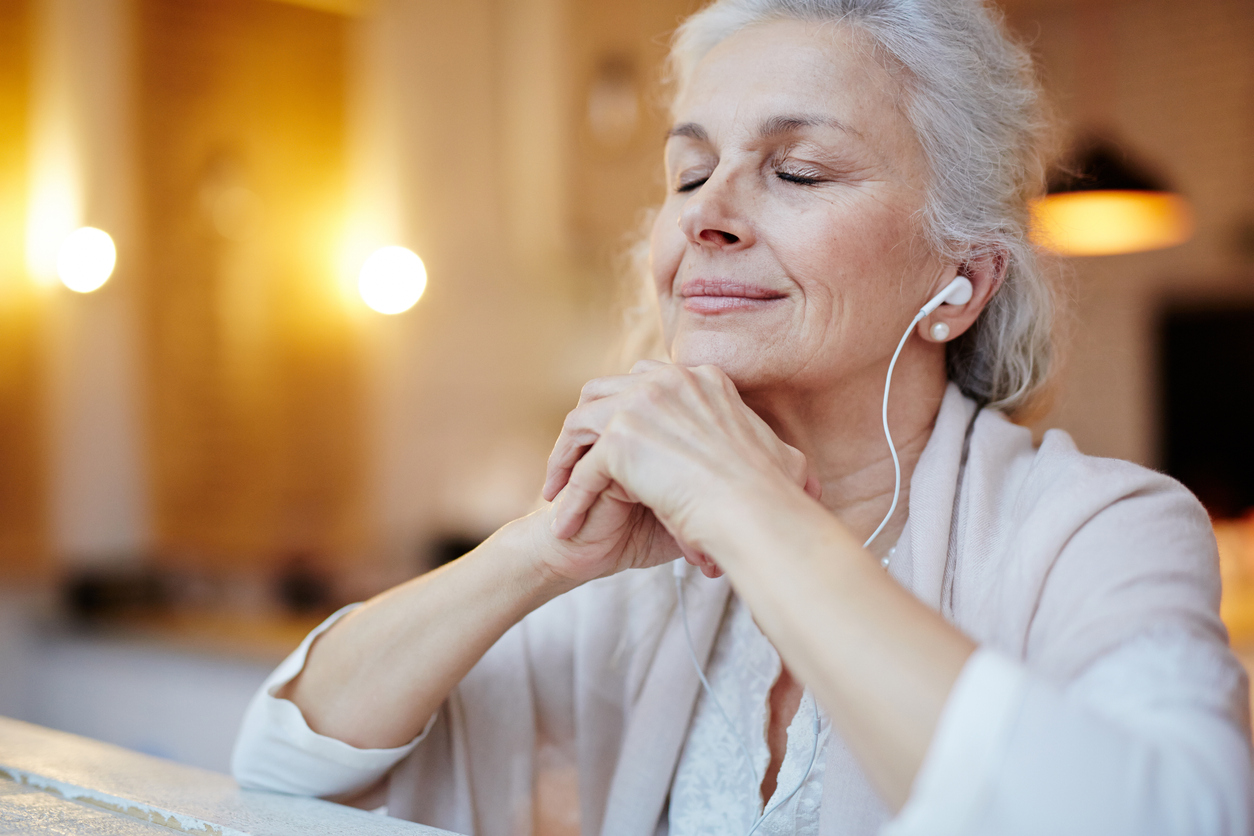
x=985, y=271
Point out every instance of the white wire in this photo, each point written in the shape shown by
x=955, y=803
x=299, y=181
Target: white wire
x=814, y=751
x=888, y=382
x=683, y=611
x=692, y=654
x=744, y=749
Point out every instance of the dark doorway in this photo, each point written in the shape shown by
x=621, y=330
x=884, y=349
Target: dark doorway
x=1207, y=409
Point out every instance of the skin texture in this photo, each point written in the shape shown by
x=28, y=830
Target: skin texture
x=788, y=262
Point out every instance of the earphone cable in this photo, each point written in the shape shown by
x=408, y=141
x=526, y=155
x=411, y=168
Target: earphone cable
x=892, y=448
x=814, y=752
x=683, y=611
x=731, y=727
x=705, y=683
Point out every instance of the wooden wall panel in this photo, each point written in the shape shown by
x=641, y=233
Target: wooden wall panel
x=630, y=41
x=23, y=495
x=256, y=436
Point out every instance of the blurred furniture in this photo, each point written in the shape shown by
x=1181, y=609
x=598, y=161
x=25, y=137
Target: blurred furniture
x=135, y=678
x=52, y=782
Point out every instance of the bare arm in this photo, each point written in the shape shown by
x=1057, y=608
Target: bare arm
x=376, y=677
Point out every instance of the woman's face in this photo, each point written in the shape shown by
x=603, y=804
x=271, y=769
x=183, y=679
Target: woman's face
x=789, y=250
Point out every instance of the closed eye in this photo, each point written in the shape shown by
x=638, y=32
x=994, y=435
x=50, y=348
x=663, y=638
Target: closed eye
x=691, y=185
x=798, y=178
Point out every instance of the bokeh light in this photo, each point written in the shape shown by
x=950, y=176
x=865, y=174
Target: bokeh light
x=1110, y=222
x=86, y=259
x=392, y=280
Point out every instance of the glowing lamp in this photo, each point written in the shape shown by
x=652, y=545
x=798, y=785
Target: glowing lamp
x=1103, y=204
x=85, y=259
x=392, y=280
x=1111, y=222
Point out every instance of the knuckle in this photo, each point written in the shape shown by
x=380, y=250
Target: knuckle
x=591, y=390
x=614, y=426
x=675, y=374
x=710, y=371
x=571, y=423
x=653, y=393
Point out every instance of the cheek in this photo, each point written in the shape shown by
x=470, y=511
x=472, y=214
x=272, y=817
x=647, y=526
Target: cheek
x=851, y=257
x=666, y=249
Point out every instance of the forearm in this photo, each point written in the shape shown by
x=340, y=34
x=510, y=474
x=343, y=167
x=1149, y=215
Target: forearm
x=375, y=678
x=877, y=659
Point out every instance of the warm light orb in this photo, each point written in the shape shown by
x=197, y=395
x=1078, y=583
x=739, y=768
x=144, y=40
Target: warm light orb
x=1110, y=222
x=392, y=280
x=86, y=259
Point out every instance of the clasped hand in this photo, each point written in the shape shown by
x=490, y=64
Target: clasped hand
x=657, y=463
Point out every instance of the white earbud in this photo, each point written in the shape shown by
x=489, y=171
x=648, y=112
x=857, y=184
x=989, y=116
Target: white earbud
x=957, y=292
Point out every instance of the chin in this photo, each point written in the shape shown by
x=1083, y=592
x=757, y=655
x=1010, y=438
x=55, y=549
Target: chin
x=740, y=357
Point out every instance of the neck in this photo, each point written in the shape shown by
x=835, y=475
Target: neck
x=840, y=431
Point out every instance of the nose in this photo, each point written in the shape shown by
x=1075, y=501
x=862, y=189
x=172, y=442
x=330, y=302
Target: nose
x=715, y=216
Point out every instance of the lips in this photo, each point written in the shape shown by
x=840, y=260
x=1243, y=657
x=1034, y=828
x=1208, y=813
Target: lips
x=715, y=296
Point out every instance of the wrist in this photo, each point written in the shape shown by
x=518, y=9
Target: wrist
x=777, y=520
x=528, y=542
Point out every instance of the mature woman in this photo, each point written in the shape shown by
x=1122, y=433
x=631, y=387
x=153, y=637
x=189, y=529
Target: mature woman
x=1004, y=639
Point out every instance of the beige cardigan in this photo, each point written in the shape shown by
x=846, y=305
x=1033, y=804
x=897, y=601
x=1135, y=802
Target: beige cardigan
x=1054, y=561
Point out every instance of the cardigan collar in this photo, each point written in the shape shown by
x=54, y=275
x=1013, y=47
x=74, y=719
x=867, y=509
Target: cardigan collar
x=660, y=717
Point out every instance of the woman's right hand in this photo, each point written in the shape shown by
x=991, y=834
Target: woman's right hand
x=618, y=532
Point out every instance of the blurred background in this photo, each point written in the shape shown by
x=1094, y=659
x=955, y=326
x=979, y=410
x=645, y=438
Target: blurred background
x=230, y=402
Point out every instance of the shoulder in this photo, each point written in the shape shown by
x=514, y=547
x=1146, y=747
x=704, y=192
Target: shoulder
x=1057, y=487
x=1086, y=552
x=1125, y=507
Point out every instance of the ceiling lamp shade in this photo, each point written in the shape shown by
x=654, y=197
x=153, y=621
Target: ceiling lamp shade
x=1101, y=203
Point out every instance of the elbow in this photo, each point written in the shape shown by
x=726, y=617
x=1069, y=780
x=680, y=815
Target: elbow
x=1201, y=792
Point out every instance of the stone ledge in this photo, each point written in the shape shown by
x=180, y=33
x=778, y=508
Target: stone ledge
x=94, y=776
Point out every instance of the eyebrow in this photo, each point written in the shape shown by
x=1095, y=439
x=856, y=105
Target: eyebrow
x=770, y=127
x=777, y=125
x=691, y=130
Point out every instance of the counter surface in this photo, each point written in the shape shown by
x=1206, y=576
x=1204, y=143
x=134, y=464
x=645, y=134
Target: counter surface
x=53, y=782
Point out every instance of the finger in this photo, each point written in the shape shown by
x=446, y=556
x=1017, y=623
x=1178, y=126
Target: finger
x=712, y=571
x=588, y=480
x=582, y=428
x=561, y=461
x=642, y=366
x=700, y=560
x=603, y=387
x=814, y=487
x=707, y=566
x=696, y=557
x=579, y=432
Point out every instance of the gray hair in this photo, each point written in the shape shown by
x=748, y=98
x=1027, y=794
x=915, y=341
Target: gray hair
x=978, y=113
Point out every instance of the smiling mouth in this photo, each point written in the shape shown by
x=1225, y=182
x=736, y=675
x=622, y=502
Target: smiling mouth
x=716, y=296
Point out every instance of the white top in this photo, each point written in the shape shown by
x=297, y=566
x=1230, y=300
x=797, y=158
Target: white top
x=712, y=794
x=1103, y=698
x=715, y=793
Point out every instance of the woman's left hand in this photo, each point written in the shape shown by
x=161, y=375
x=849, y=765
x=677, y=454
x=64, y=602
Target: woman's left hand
x=679, y=441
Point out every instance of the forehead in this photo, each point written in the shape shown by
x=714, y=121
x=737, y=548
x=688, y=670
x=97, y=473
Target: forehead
x=791, y=66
